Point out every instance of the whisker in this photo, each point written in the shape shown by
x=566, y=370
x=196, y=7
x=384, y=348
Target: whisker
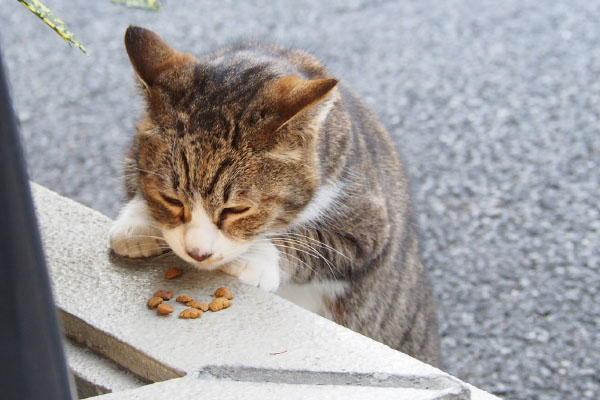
x=316, y=255
x=150, y=172
x=320, y=243
x=150, y=245
x=161, y=256
x=252, y=251
x=147, y=236
x=313, y=252
x=310, y=268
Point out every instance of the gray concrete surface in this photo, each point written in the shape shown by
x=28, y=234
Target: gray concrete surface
x=95, y=375
x=495, y=106
x=261, y=338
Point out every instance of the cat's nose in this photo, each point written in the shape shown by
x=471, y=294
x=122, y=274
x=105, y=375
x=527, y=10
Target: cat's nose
x=197, y=255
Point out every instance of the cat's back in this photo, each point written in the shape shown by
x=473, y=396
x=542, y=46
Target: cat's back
x=279, y=60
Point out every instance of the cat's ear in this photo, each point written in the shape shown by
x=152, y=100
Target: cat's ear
x=150, y=55
x=290, y=95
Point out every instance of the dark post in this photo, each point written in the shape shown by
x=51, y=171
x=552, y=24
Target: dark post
x=32, y=362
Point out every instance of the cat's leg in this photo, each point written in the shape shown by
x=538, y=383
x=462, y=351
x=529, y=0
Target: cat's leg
x=134, y=233
x=258, y=266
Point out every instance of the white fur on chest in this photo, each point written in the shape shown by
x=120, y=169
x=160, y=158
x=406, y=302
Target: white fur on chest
x=313, y=295
x=323, y=200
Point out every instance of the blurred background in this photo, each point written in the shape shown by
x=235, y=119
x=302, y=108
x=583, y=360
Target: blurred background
x=494, y=107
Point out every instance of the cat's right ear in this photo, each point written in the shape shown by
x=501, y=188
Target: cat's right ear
x=150, y=55
x=290, y=95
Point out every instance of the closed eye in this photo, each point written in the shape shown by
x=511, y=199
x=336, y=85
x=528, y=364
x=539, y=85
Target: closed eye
x=230, y=211
x=234, y=210
x=171, y=200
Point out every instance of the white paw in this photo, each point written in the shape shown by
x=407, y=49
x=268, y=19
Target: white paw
x=136, y=241
x=132, y=234
x=234, y=268
x=259, y=267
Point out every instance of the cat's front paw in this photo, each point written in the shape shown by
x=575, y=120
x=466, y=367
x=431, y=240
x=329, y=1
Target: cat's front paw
x=136, y=240
x=132, y=234
x=258, y=267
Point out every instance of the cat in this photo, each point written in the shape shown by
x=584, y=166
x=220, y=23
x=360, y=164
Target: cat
x=253, y=160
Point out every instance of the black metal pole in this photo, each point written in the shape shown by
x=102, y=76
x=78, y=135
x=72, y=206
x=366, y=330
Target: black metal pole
x=32, y=362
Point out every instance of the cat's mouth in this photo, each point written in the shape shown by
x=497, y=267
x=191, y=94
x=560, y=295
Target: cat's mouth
x=208, y=265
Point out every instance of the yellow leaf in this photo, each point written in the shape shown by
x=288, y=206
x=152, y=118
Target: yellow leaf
x=46, y=15
x=152, y=5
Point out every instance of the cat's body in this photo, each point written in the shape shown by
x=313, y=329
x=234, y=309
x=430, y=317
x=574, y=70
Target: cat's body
x=252, y=160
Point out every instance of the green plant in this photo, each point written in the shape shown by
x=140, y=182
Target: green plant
x=57, y=24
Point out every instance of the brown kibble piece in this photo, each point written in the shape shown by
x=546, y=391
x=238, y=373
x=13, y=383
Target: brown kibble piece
x=219, y=303
x=197, y=304
x=190, y=313
x=184, y=298
x=224, y=292
x=164, y=309
x=164, y=294
x=154, y=301
x=173, y=273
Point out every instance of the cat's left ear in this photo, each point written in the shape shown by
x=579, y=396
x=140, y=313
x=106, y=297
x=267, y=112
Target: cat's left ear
x=290, y=95
x=150, y=55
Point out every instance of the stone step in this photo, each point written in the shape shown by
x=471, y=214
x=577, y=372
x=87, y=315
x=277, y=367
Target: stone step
x=261, y=342
x=95, y=375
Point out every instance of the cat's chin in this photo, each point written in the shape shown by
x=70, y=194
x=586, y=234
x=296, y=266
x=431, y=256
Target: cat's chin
x=204, y=268
x=208, y=266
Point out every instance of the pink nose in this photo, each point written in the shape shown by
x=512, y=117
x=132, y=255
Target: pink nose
x=196, y=255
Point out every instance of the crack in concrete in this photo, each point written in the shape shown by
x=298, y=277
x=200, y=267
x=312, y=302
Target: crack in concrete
x=451, y=388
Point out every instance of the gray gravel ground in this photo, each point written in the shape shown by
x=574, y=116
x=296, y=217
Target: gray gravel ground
x=495, y=106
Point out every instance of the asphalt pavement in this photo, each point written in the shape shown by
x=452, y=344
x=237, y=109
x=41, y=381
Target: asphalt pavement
x=494, y=106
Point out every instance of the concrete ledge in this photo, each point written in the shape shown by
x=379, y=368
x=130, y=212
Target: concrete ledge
x=262, y=344
x=95, y=375
x=190, y=388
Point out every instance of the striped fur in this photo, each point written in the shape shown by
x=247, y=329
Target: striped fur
x=276, y=152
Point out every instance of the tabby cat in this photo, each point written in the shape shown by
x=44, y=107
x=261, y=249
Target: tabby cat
x=253, y=160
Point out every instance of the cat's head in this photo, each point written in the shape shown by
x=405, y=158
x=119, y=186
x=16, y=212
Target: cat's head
x=226, y=153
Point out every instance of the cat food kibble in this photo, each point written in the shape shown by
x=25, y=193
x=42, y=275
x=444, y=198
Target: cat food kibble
x=164, y=294
x=183, y=298
x=197, y=304
x=173, y=273
x=164, y=309
x=190, y=313
x=155, y=301
x=219, y=303
x=196, y=308
x=224, y=292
